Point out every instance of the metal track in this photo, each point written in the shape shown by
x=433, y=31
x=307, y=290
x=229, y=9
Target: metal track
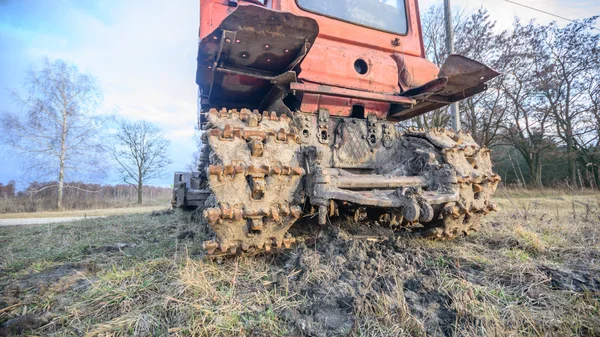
x=475, y=178
x=253, y=174
x=251, y=166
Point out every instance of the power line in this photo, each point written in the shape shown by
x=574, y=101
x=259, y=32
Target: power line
x=551, y=14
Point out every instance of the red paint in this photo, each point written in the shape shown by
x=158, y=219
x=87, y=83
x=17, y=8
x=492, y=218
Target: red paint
x=339, y=44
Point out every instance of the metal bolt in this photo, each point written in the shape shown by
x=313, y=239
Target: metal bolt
x=214, y=37
x=237, y=41
x=268, y=60
x=267, y=46
x=286, y=51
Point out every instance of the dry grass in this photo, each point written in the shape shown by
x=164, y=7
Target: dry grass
x=24, y=205
x=532, y=271
x=80, y=196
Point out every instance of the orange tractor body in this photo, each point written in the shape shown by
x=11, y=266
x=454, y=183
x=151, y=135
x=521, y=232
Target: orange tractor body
x=366, y=59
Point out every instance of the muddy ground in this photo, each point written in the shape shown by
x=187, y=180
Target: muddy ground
x=533, y=270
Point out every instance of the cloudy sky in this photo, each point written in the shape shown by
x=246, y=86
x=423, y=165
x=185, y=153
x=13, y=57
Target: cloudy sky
x=143, y=54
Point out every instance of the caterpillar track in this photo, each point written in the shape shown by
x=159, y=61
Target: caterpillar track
x=260, y=172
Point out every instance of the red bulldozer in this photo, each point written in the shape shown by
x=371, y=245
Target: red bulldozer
x=300, y=103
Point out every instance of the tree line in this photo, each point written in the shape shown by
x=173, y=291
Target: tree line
x=60, y=134
x=542, y=115
x=41, y=196
x=9, y=190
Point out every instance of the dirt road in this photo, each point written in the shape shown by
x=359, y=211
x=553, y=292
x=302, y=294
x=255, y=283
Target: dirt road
x=40, y=221
x=38, y=218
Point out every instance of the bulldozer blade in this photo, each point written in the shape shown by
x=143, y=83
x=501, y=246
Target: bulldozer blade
x=459, y=78
x=244, y=57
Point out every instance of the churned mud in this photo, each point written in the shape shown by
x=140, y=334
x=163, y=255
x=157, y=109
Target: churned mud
x=57, y=279
x=525, y=273
x=343, y=277
x=348, y=278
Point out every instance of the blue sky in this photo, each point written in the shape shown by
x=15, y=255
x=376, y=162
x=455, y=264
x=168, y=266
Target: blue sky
x=143, y=54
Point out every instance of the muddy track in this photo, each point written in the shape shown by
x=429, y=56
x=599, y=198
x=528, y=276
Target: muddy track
x=475, y=180
x=255, y=167
x=253, y=173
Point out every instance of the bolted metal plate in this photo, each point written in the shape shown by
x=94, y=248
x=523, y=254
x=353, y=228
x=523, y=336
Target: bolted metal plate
x=250, y=47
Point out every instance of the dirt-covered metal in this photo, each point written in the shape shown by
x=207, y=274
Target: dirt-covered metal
x=258, y=176
x=328, y=145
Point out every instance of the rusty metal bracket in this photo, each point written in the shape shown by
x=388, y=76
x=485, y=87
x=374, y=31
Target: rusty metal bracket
x=306, y=127
x=301, y=55
x=323, y=126
x=350, y=93
x=459, y=78
x=273, y=99
x=372, y=130
x=389, y=134
x=262, y=52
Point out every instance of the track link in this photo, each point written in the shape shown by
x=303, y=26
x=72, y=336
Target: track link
x=253, y=174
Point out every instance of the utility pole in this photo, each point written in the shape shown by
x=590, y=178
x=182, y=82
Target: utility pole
x=454, y=111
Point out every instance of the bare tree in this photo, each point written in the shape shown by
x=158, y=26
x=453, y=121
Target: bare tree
x=545, y=104
x=483, y=114
x=434, y=37
x=196, y=156
x=590, y=140
x=528, y=121
x=568, y=56
x=141, y=151
x=57, y=132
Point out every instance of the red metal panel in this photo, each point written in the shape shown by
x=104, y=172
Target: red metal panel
x=341, y=106
x=212, y=12
x=332, y=63
x=348, y=33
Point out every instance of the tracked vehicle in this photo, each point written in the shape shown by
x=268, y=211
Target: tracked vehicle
x=300, y=103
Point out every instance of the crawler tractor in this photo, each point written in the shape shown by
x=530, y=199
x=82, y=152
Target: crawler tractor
x=300, y=103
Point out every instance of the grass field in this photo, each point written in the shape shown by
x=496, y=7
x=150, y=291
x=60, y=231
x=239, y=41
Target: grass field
x=533, y=270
